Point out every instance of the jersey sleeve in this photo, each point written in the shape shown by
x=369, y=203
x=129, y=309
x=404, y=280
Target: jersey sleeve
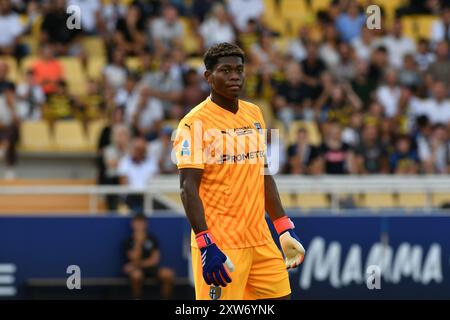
x=188, y=144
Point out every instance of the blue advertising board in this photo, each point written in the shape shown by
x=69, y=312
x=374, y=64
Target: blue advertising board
x=359, y=257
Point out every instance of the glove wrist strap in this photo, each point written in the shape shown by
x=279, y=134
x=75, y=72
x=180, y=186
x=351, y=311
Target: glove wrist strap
x=204, y=239
x=283, y=224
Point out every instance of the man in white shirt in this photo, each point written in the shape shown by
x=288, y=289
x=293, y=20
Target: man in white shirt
x=136, y=170
x=244, y=10
x=440, y=30
x=11, y=28
x=398, y=45
x=388, y=95
x=217, y=28
x=438, y=109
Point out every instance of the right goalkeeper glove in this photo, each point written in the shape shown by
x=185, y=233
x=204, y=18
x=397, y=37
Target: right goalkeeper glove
x=213, y=260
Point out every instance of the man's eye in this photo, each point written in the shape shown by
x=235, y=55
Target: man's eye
x=226, y=71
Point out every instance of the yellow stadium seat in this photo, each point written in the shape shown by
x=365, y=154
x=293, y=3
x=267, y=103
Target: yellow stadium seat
x=311, y=128
x=312, y=201
x=133, y=63
x=318, y=5
x=287, y=200
x=69, y=136
x=94, y=46
x=439, y=199
x=95, y=67
x=35, y=136
x=13, y=73
x=266, y=110
x=74, y=75
x=412, y=200
x=277, y=124
x=95, y=128
x=195, y=63
x=379, y=200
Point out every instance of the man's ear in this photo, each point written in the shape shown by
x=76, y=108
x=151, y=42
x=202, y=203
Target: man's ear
x=207, y=74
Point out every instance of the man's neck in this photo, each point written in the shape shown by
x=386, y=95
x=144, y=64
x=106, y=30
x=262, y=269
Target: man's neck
x=231, y=105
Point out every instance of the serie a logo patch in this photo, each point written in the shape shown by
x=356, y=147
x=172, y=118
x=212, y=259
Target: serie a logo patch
x=185, y=150
x=215, y=292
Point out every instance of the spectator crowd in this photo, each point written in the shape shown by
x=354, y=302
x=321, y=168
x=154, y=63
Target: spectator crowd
x=378, y=99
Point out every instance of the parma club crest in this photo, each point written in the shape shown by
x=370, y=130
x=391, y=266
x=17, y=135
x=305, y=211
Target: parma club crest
x=215, y=292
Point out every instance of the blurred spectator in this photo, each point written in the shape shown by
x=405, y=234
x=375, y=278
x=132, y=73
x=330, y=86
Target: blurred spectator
x=30, y=97
x=335, y=156
x=60, y=104
x=143, y=260
x=111, y=156
x=364, y=44
x=290, y=94
x=371, y=154
x=115, y=73
x=389, y=93
x=409, y=74
x=337, y=103
x=47, y=70
x=129, y=35
x=217, y=28
x=145, y=114
x=351, y=134
x=92, y=105
x=302, y=154
x=265, y=53
x=435, y=155
x=110, y=15
x=200, y=9
x=124, y=94
x=350, y=23
x=440, y=69
x=440, y=30
x=363, y=85
x=297, y=46
x=11, y=30
x=135, y=170
x=244, y=10
x=165, y=84
x=193, y=92
x=312, y=68
x=328, y=51
x=378, y=64
x=398, y=45
x=345, y=70
x=424, y=57
x=161, y=149
x=54, y=30
x=438, y=106
x=166, y=31
x=9, y=122
x=90, y=17
x=404, y=160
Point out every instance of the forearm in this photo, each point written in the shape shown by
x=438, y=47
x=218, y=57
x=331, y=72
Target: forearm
x=272, y=199
x=194, y=208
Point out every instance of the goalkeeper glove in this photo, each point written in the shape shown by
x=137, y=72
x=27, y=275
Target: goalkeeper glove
x=293, y=250
x=213, y=260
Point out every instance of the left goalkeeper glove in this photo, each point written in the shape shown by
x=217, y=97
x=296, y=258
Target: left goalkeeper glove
x=293, y=250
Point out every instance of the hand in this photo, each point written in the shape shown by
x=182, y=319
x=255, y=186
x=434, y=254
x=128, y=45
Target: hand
x=293, y=251
x=292, y=248
x=213, y=261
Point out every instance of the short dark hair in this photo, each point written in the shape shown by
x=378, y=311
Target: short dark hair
x=221, y=50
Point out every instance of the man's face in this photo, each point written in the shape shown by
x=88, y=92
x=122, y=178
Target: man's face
x=227, y=77
x=139, y=150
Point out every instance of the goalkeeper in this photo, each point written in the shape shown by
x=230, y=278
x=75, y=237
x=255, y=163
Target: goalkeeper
x=226, y=193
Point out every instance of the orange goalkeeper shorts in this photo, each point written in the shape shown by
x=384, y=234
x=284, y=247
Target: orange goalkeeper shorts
x=259, y=273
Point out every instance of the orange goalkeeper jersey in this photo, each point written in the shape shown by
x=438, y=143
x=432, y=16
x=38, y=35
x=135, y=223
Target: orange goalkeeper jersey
x=230, y=148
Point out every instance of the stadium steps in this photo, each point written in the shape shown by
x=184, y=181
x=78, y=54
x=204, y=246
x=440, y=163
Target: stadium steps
x=47, y=204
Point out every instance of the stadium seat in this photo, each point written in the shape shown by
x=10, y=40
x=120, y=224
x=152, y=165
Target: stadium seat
x=74, y=74
x=418, y=26
x=287, y=200
x=440, y=199
x=379, y=200
x=266, y=110
x=311, y=128
x=133, y=63
x=94, y=46
x=13, y=73
x=69, y=136
x=35, y=136
x=318, y=5
x=95, y=67
x=412, y=200
x=312, y=201
x=95, y=128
